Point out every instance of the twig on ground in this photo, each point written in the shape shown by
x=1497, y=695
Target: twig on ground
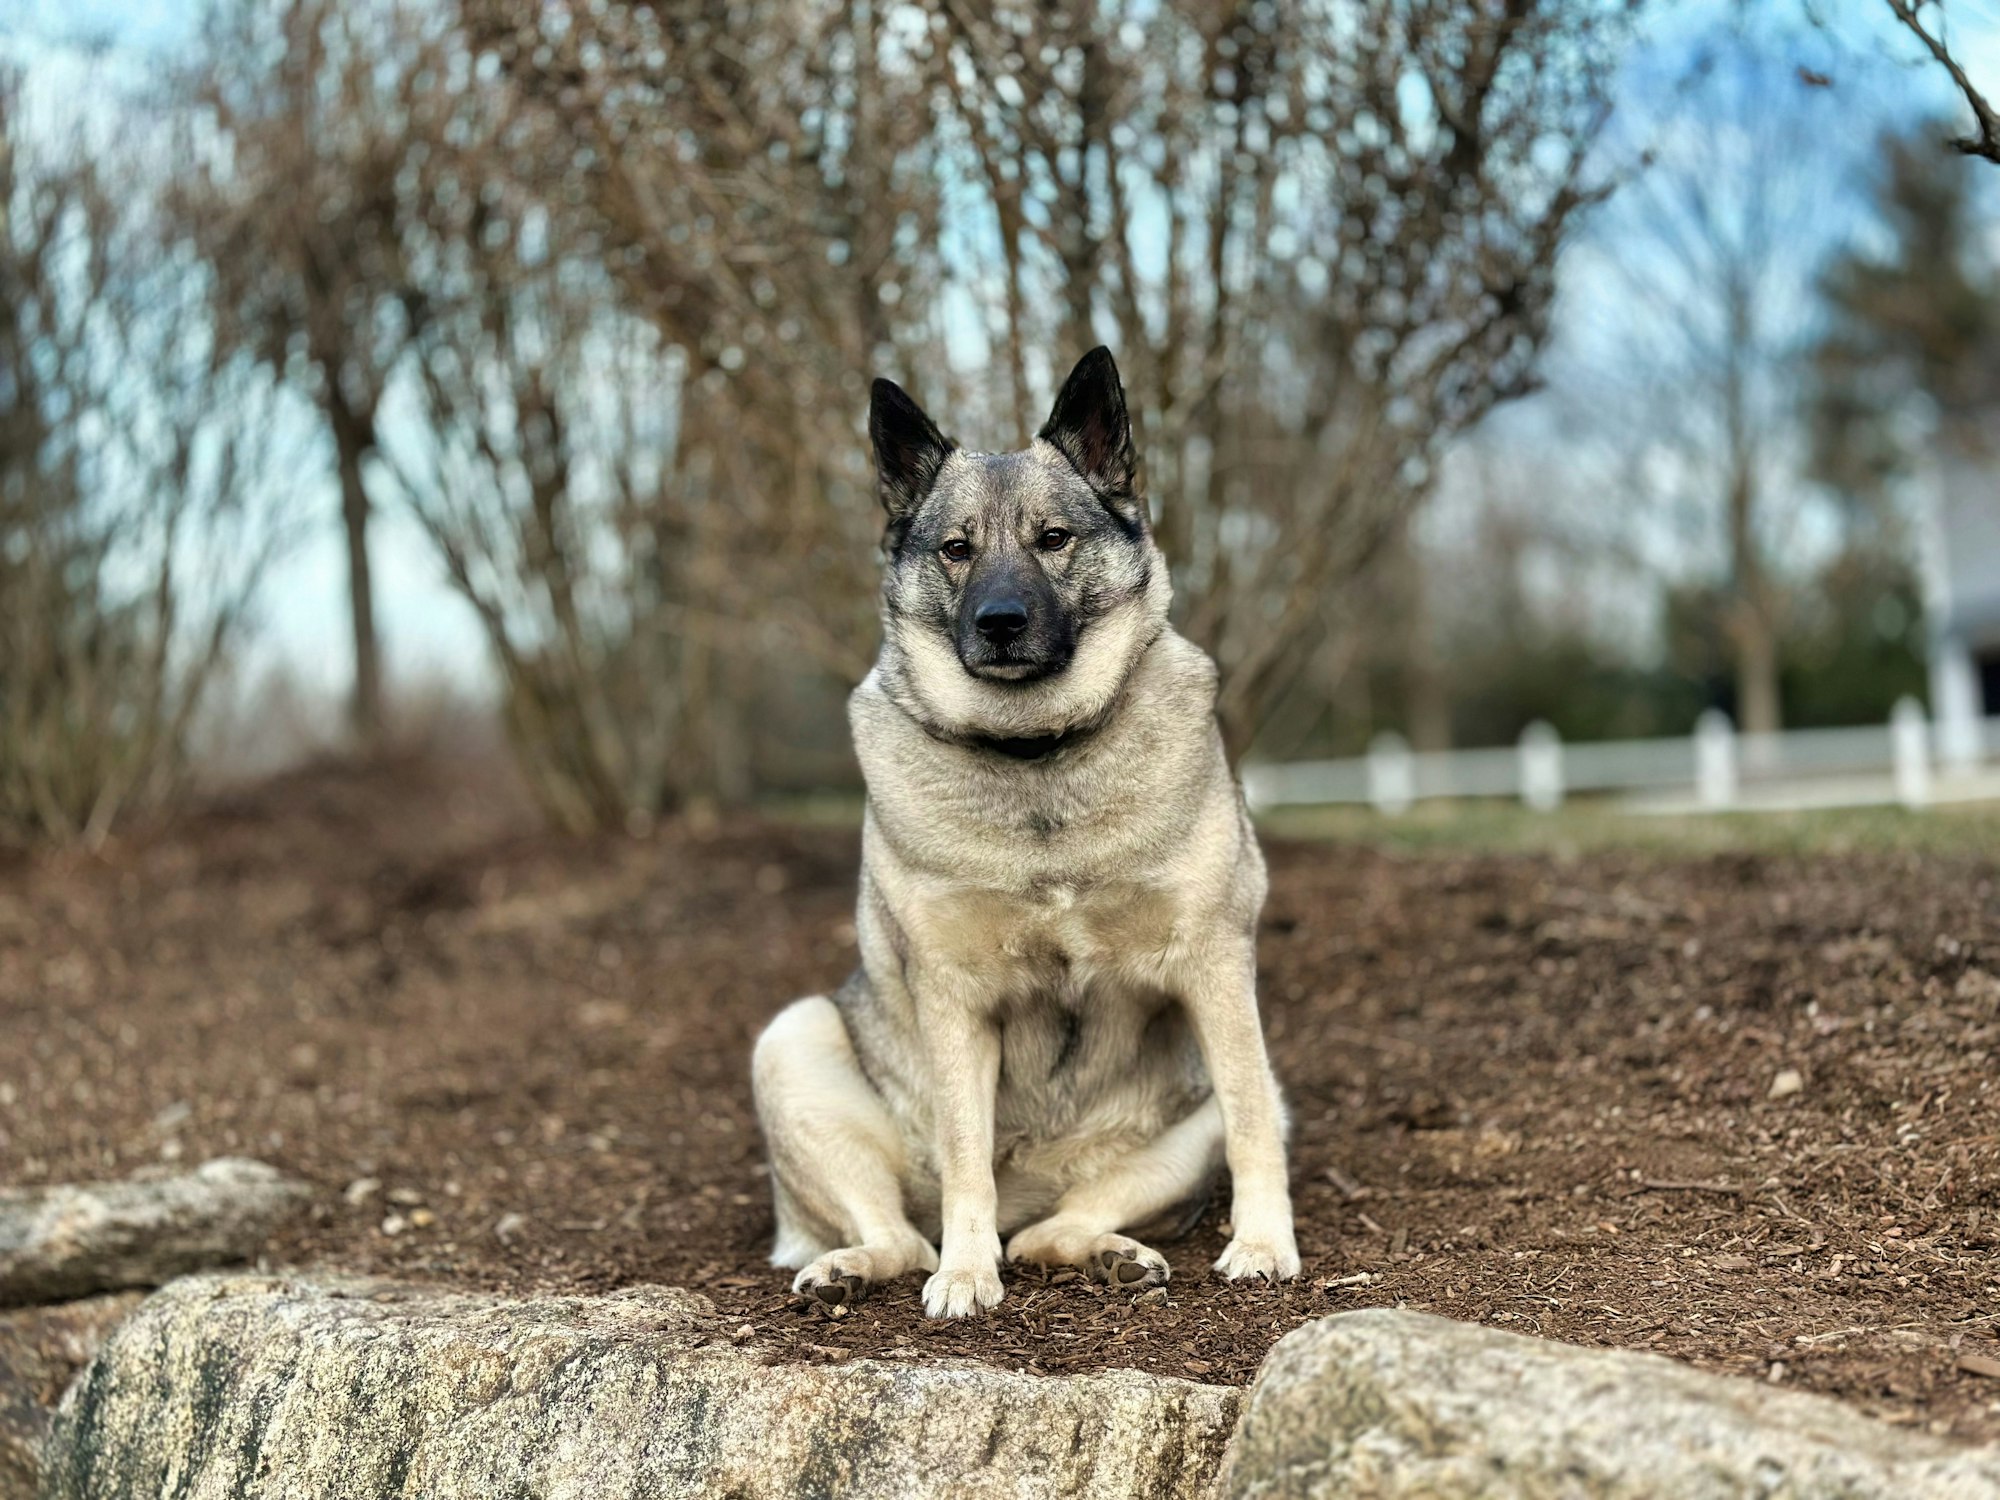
x=1661, y=1185
x=1351, y=1190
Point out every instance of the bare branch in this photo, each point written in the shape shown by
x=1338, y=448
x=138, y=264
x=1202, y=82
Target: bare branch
x=1986, y=142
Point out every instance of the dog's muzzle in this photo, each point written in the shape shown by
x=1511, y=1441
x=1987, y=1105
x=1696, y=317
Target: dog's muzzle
x=1010, y=627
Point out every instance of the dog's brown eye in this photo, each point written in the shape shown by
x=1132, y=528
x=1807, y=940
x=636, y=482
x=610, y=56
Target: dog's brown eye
x=1053, y=540
x=958, y=549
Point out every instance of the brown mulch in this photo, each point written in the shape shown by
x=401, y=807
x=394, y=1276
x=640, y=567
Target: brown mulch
x=1530, y=1092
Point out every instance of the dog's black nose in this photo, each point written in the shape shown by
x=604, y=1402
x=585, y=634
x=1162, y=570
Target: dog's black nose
x=1000, y=620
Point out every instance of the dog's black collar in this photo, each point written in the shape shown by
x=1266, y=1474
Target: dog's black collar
x=1028, y=747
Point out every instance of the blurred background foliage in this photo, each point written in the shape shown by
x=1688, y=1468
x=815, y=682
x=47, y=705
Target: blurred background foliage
x=1494, y=360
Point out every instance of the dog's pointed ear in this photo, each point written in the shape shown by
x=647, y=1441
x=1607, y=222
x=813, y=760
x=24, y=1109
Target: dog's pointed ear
x=1090, y=427
x=909, y=449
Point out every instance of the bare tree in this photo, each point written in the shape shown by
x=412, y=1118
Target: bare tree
x=1685, y=382
x=321, y=109
x=1322, y=242
x=135, y=472
x=547, y=470
x=761, y=183
x=1321, y=239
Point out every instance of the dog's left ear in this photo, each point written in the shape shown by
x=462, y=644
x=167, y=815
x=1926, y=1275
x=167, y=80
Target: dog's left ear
x=1089, y=427
x=909, y=449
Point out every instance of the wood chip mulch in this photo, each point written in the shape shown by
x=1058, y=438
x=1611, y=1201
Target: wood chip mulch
x=1738, y=1110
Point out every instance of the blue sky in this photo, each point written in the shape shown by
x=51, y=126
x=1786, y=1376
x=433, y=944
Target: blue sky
x=428, y=633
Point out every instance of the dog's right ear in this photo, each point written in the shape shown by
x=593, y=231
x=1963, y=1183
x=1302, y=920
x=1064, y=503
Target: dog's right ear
x=909, y=449
x=1091, y=428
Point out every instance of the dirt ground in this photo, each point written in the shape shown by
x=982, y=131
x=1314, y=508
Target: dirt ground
x=1738, y=1109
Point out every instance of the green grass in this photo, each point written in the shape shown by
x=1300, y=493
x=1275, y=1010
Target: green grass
x=1581, y=827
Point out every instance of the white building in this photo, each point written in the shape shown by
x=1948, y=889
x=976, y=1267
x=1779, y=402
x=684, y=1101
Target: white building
x=1962, y=602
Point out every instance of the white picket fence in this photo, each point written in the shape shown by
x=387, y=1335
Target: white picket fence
x=1907, y=761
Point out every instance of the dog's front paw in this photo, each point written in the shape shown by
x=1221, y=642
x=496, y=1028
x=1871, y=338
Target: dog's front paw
x=959, y=1292
x=1275, y=1257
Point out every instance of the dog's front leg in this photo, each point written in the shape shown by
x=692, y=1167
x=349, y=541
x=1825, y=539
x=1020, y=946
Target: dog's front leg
x=1221, y=999
x=963, y=1048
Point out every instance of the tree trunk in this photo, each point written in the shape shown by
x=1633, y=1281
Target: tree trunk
x=1756, y=674
x=1427, y=700
x=352, y=437
x=1751, y=623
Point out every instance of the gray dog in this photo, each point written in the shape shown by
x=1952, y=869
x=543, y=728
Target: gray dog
x=1053, y=1033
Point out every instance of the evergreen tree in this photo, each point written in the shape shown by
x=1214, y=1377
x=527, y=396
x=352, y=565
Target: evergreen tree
x=1919, y=324
x=1906, y=380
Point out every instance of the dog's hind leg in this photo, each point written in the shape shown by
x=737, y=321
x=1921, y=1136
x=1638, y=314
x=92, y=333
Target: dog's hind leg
x=1169, y=1170
x=836, y=1159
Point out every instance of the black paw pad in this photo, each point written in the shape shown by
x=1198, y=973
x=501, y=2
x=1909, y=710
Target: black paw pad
x=1121, y=1268
x=842, y=1292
